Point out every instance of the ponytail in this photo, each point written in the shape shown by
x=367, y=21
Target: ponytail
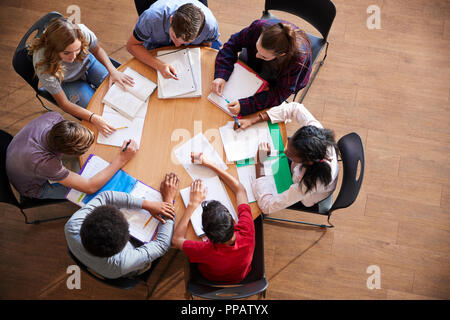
x=311, y=144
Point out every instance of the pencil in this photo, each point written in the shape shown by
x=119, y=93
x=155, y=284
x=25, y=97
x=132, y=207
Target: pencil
x=121, y=128
x=147, y=222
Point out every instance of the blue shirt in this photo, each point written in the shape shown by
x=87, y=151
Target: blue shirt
x=154, y=23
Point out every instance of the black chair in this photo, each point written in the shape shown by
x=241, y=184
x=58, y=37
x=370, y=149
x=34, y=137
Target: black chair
x=142, y=5
x=319, y=13
x=6, y=193
x=23, y=62
x=120, y=283
x=352, y=154
x=254, y=283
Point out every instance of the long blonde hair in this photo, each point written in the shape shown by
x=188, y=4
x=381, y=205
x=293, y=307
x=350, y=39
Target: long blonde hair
x=59, y=34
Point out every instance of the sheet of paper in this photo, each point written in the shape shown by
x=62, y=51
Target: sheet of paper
x=185, y=83
x=142, y=87
x=215, y=191
x=133, y=128
x=247, y=175
x=199, y=143
x=243, y=144
x=94, y=165
x=241, y=84
x=195, y=58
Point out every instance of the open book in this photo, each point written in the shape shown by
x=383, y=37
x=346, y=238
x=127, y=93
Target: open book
x=242, y=83
x=129, y=102
x=195, y=58
x=122, y=182
x=215, y=191
x=185, y=83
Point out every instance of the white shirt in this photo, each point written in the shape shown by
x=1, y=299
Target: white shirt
x=269, y=202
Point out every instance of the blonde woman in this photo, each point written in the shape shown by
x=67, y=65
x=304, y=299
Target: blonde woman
x=33, y=158
x=70, y=65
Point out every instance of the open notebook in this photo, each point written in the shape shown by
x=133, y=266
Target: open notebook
x=242, y=83
x=215, y=191
x=181, y=61
x=195, y=59
x=128, y=103
x=122, y=182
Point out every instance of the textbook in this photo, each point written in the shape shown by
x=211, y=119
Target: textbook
x=126, y=128
x=215, y=191
x=128, y=102
x=122, y=182
x=185, y=82
x=195, y=59
x=242, y=83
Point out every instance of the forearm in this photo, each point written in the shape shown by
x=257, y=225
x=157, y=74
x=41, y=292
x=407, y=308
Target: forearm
x=101, y=178
x=143, y=55
x=103, y=57
x=179, y=234
x=229, y=180
x=72, y=108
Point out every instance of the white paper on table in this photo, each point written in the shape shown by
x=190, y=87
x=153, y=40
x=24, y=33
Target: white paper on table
x=215, y=191
x=243, y=144
x=115, y=119
x=142, y=87
x=198, y=143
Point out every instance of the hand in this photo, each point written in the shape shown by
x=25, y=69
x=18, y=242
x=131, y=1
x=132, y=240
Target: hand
x=263, y=152
x=234, y=107
x=129, y=152
x=168, y=71
x=102, y=125
x=169, y=187
x=120, y=78
x=217, y=86
x=159, y=210
x=197, y=157
x=245, y=123
x=198, y=193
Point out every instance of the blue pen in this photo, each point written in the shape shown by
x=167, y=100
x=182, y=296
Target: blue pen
x=234, y=117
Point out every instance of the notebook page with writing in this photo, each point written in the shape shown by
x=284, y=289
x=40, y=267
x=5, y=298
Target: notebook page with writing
x=133, y=131
x=122, y=101
x=243, y=144
x=215, y=191
x=242, y=84
x=195, y=58
x=199, y=143
x=169, y=87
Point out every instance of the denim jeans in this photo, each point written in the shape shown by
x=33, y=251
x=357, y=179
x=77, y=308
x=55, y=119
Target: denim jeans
x=81, y=91
x=53, y=191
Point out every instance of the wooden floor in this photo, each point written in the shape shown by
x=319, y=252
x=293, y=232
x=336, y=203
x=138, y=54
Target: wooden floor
x=390, y=85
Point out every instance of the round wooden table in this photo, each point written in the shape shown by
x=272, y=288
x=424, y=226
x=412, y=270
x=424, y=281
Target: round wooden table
x=168, y=124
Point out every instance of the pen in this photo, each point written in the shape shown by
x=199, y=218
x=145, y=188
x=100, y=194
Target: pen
x=121, y=128
x=126, y=146
x=234, y=117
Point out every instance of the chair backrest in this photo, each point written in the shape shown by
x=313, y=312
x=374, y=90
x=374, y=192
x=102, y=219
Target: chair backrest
x=6, y=193
x=319, y=13
x=254, y=283
x=22, y=61
x=121, y=283
x=352, y=154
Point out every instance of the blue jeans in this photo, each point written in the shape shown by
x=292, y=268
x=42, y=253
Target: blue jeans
x=53, y=191
x=81, y=91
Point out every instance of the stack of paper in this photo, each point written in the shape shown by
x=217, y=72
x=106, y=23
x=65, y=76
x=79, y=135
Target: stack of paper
x=128, y=102
x=185, y=84
x=215, y=191
x=242, y=83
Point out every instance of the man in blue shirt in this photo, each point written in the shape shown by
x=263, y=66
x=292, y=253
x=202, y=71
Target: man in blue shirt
x=172, y=22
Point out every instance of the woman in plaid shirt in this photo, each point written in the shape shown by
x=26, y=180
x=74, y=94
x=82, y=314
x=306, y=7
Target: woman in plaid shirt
x=278, y=51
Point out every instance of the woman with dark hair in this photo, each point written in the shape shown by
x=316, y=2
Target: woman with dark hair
x=278, y=51
x=313, y=154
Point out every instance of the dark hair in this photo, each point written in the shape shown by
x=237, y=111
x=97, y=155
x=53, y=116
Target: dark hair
x=104, y=232
x=187, y=22
x=311, y=144
x=70, y=137
x=217, y=222
x=282, y=38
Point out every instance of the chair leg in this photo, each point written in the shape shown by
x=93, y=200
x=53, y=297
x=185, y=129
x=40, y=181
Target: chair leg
x=305, y=91
x=301, y=222
x=42, y=103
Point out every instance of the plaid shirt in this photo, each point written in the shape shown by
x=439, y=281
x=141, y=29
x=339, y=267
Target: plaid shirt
x=284, y=85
